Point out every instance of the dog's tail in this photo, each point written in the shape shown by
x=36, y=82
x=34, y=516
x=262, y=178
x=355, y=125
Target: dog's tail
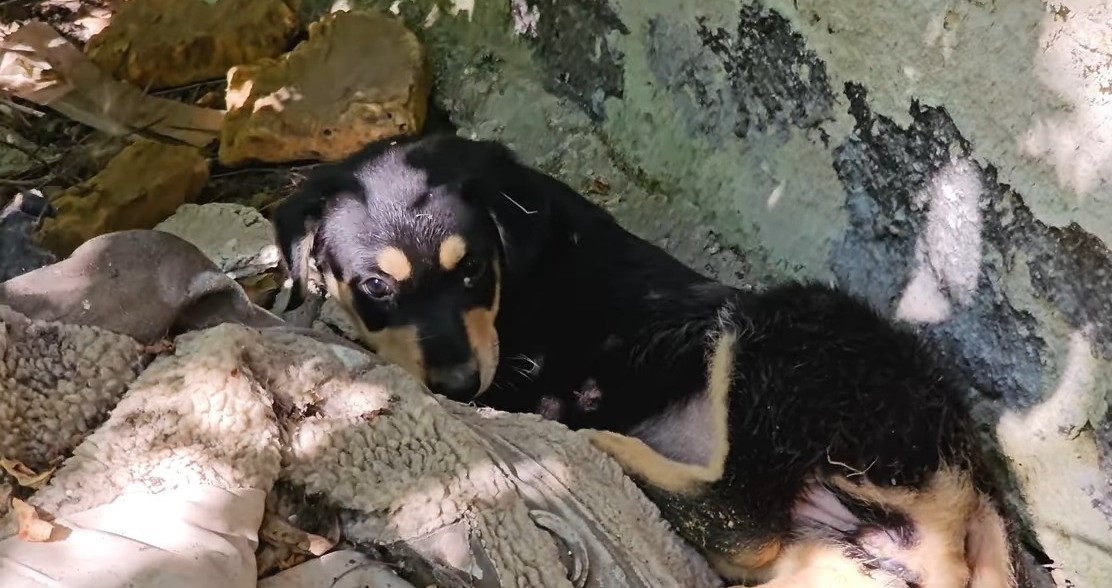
x=951, y=535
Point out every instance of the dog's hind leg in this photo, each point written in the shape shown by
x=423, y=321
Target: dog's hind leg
x=815, y=562
x=696, y=438
x=959, y=539
x=675, y=476
x=986, y=545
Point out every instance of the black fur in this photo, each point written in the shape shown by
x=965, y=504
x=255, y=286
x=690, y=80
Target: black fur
x=601, y=329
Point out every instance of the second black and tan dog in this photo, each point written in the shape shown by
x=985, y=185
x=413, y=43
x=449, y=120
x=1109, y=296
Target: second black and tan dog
x=794, y=435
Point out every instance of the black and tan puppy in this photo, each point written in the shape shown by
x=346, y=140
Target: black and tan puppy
x=794, y=435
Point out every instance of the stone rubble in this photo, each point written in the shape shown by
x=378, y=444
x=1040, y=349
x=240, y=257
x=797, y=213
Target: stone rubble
x=322, y=100
x=141, y=186
x=236, y=238
x=166, y=43
x=328, y=96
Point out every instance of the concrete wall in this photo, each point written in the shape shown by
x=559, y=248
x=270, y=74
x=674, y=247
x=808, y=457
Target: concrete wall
x=949, y=160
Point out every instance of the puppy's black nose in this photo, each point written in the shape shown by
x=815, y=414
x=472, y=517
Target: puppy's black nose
x=458, y=382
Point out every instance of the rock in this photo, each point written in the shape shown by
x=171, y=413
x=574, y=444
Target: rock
x=163, y=43
x=18, y=252
x=236, y=238
x=360, y=76
x=333, y=318
x=140, y=187
x=16, y=153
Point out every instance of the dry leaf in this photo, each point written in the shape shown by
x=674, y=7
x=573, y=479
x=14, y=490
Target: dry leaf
x=272, y=559
x=31, y=527
x=261, y=289
x=283, y=546
x=25, y=476
x=159, y=347
x=39, y=65
x=277, y=531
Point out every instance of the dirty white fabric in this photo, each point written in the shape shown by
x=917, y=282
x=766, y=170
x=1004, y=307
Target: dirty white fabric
x=176, y=473
x=182, y=538
x=338, y=569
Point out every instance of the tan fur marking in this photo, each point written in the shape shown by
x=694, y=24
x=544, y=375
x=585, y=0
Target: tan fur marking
x=641, y=461
x=747, y=565
x=812, y=563
x=394, y=262
x=302, y=258
x=940, y=513
x=482, y=335
x=987, y=552
x=398, y=346
x=452, y=250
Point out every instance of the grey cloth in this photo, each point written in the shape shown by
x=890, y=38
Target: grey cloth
x=144, y=284
x=18, y=219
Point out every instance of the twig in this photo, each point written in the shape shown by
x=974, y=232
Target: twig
x=33, y=154
x=22, y=109
x=31, y=182
x=192, y=86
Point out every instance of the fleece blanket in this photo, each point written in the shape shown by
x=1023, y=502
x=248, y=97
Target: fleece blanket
x=165, y=431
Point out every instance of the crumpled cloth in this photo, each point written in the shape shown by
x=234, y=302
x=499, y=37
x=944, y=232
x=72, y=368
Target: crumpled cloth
x=176, y=451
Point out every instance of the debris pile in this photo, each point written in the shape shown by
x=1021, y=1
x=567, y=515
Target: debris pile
x=187, y=95
x=357, y=76
x=325, y=99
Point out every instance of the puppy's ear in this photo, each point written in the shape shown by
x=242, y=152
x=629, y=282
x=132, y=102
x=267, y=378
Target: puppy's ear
x=519, y=200
x=297, y=222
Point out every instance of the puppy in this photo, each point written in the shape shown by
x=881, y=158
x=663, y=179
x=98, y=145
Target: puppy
x=794, y=435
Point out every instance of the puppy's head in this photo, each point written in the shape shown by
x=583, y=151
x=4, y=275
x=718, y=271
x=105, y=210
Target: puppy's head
x=415, y=238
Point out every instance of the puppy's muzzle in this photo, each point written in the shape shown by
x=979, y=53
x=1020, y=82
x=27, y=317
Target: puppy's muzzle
x=459, y=382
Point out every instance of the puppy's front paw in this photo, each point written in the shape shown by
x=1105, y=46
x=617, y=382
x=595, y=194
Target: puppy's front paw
x=621, y=448
x=607, y=441
x=642, y=462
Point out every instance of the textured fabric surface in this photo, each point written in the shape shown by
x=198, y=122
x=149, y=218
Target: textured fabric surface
x=57, y=382
x=239, y=407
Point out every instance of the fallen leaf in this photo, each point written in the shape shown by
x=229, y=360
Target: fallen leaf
x=159, y=347
x=31, y=527
x=39, y=65
x=370, y=415
x=270, y=560
x=25, y=476
x=260, y=289
x=277, y=531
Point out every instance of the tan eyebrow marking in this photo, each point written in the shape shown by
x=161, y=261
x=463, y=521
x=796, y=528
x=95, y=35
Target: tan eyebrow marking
x=394, y=262
x=452, y=249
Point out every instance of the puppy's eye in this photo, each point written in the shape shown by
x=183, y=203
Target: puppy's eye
x=377, y=288
x=472, y=269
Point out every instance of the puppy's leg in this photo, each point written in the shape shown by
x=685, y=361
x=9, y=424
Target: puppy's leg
x=696, y=434
x=816, y=563
x=640, y=461
x=959, y=538
x=987, y=552
x=684, y=450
